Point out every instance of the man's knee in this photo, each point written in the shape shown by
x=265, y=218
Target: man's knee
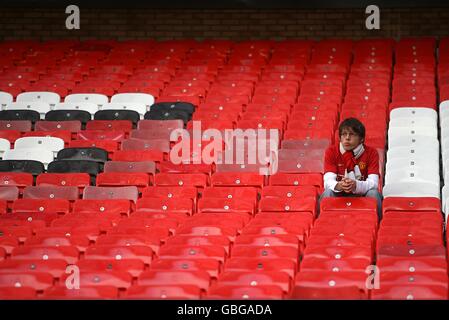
x=374, y=193
x=327, y=193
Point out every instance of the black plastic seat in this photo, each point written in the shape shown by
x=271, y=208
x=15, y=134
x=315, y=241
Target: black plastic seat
x=28, y=166
x=68, y=115
x=160, y=114
x=78, y=154
x=180, y=106
x=130, y=115
x=76, y=166
x=30, y=115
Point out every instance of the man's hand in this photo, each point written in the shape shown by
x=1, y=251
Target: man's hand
x=339, y=186
x=348, y=185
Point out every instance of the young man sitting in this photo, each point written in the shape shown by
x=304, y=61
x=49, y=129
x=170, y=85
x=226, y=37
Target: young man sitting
x=352, y=168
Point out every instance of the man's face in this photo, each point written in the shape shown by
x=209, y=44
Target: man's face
x=350, y=139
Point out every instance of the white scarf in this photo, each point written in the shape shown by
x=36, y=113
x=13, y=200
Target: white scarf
x=358, y=151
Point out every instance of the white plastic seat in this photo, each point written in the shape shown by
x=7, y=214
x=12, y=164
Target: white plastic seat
x=444, y=109
x=444, y=200
x=48, y=143
x=444, y=136
x=412, y=162
x=41, y=107
x=145, y=98
x=444, y=120
x=84, y=106
x=42, y=155
x=446, y=177
x=5, y=98
x=431, y=151
x=427, y=175
x=97, y=98
x=140, y=108
x=410, y=141
x=413, y=132
x=5, y=145
x=411, y=189
x=414, y=112
x=446, y=168
x=52, y=98
x=412, y=122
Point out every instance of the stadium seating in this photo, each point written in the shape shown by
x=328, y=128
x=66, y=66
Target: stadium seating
x=88, y=177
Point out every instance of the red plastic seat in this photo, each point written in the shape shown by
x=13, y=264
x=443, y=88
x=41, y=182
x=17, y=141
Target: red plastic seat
x=112, y=179
x=431, y=251
x=208, y=229
x=138, y=155
x=148, y=167
x=91, y=232
x=170, y=192
x=133, y=267
x=189, y=240
x=69, y=254
x=200, y=278
x=79, y=180
x=330, y=285
x=275, y=251
x=251, y=279
x=288, y=191
x=100, y=135
x=83, y=293
x=110, y=193
x=227, y=179
x=263, y=292
x=410, y=292
x=122, y=239
x=304, y=204
x=240, y=264
x=72, y=126
x=56, y=268
x=116, y=279
x=267, y=229
x=268, y=241
x=176, y=252
x=51, y=192
x=17, y=293
x=17, y=179
x=198, y=180
x=361, y=204
x=289, y=179
x=397, y=204
x=414, y=278
x=409, y=236
x=42, y=206
x=337, y=252
x=163, y=219
x=165, y=291
x=38, y=281
x=408, y=265
x=116, y=252
x=169, y=205
x=138, y=144
x=226, y=205
x=17, y=125
x=110, y=206
x=169, y=167
x=115, y=125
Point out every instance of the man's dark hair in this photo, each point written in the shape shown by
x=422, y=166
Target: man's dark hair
x=353, y=124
